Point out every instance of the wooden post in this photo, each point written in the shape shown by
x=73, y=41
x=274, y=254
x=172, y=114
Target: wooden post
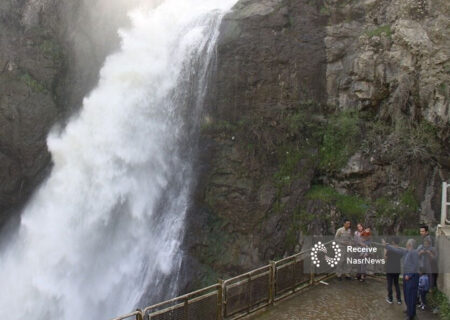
x=272, y=281
x=220, y=300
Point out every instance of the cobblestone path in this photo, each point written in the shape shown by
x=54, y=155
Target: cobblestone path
x=341, y=300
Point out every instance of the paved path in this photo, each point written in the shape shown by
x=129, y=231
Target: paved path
x=340, y=300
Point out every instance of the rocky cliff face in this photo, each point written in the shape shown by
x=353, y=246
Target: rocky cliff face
x=31, y=60
x=391, y=57
x=319, y=110
x=389, y=61
x=50, y=55
x=259, y=143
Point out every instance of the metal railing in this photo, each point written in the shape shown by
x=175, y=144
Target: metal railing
x=239, y=296
x=445, y=204
x=134, y=315
x=201, y=304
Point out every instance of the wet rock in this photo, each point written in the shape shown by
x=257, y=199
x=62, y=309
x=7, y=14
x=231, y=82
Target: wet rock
x=384, y=61
x=269, y=65
x=50, y=55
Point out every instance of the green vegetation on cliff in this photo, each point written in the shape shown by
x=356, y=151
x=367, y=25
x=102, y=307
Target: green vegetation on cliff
x=403, y=140
x=51, y=49
x=32, y=83
x=402, y=209
x=351, y=206
x=384, y=211
x=383, y=30
x=340, y=141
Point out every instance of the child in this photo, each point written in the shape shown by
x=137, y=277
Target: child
x=424, y=286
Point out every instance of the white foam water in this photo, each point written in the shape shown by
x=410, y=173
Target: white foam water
x=105, y=228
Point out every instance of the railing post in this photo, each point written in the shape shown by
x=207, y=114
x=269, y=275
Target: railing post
x=220, y=300
x=139, y=315
x=293, y=275
x=444, y=204
x=272, y=281
x=186, y=307
x=249, y=293
x=312, y=275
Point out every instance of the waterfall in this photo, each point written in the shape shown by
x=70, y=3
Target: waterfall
x=105, y=228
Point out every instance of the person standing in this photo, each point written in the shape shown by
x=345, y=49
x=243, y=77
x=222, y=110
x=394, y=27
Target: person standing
x=357, y=234
x=393, y=269
x=410, y=275
x=431, y=270
x=358, y=242
x=343, y=238
x=366, y=242
x=427, y=259
x=424, y=286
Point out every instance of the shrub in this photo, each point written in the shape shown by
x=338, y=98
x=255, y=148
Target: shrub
x=439, y=300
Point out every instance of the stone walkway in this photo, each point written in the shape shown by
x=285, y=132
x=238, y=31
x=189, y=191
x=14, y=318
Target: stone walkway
x=347, y=299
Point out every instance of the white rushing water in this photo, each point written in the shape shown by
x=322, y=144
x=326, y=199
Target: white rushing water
x=106, y=226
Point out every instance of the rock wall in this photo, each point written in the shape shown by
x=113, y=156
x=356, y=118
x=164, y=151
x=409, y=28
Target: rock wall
x=319, y=110
x=50, y=55
x=390, y=56
x=389, y=61
x=31, y=61
x=258, y=142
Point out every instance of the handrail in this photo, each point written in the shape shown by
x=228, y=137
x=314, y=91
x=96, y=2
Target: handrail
x=246, y=274
x=183, y=303
x=137, y=314
x=183, y=297
x=220, y=290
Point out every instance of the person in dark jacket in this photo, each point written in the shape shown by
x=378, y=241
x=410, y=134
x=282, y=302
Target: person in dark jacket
x=427, y=259
x=393, y=269
x=410, y=275
x=427, y=239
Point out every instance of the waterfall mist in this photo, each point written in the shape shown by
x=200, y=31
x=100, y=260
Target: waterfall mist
x=105, y=228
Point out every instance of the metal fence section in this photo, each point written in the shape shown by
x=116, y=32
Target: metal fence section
x=290, y=274
x=137, y=315
x=201, y=304
x=239, y=296
x=248, y=292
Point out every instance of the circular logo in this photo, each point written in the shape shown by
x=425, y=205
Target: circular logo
x=331, y=261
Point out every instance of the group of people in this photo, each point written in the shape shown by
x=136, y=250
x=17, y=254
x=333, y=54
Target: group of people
x=419, y=270
x=418, y=263
x=360, y=238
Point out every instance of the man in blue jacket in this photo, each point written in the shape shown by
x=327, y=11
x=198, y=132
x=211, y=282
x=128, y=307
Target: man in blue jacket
x=410, y=275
